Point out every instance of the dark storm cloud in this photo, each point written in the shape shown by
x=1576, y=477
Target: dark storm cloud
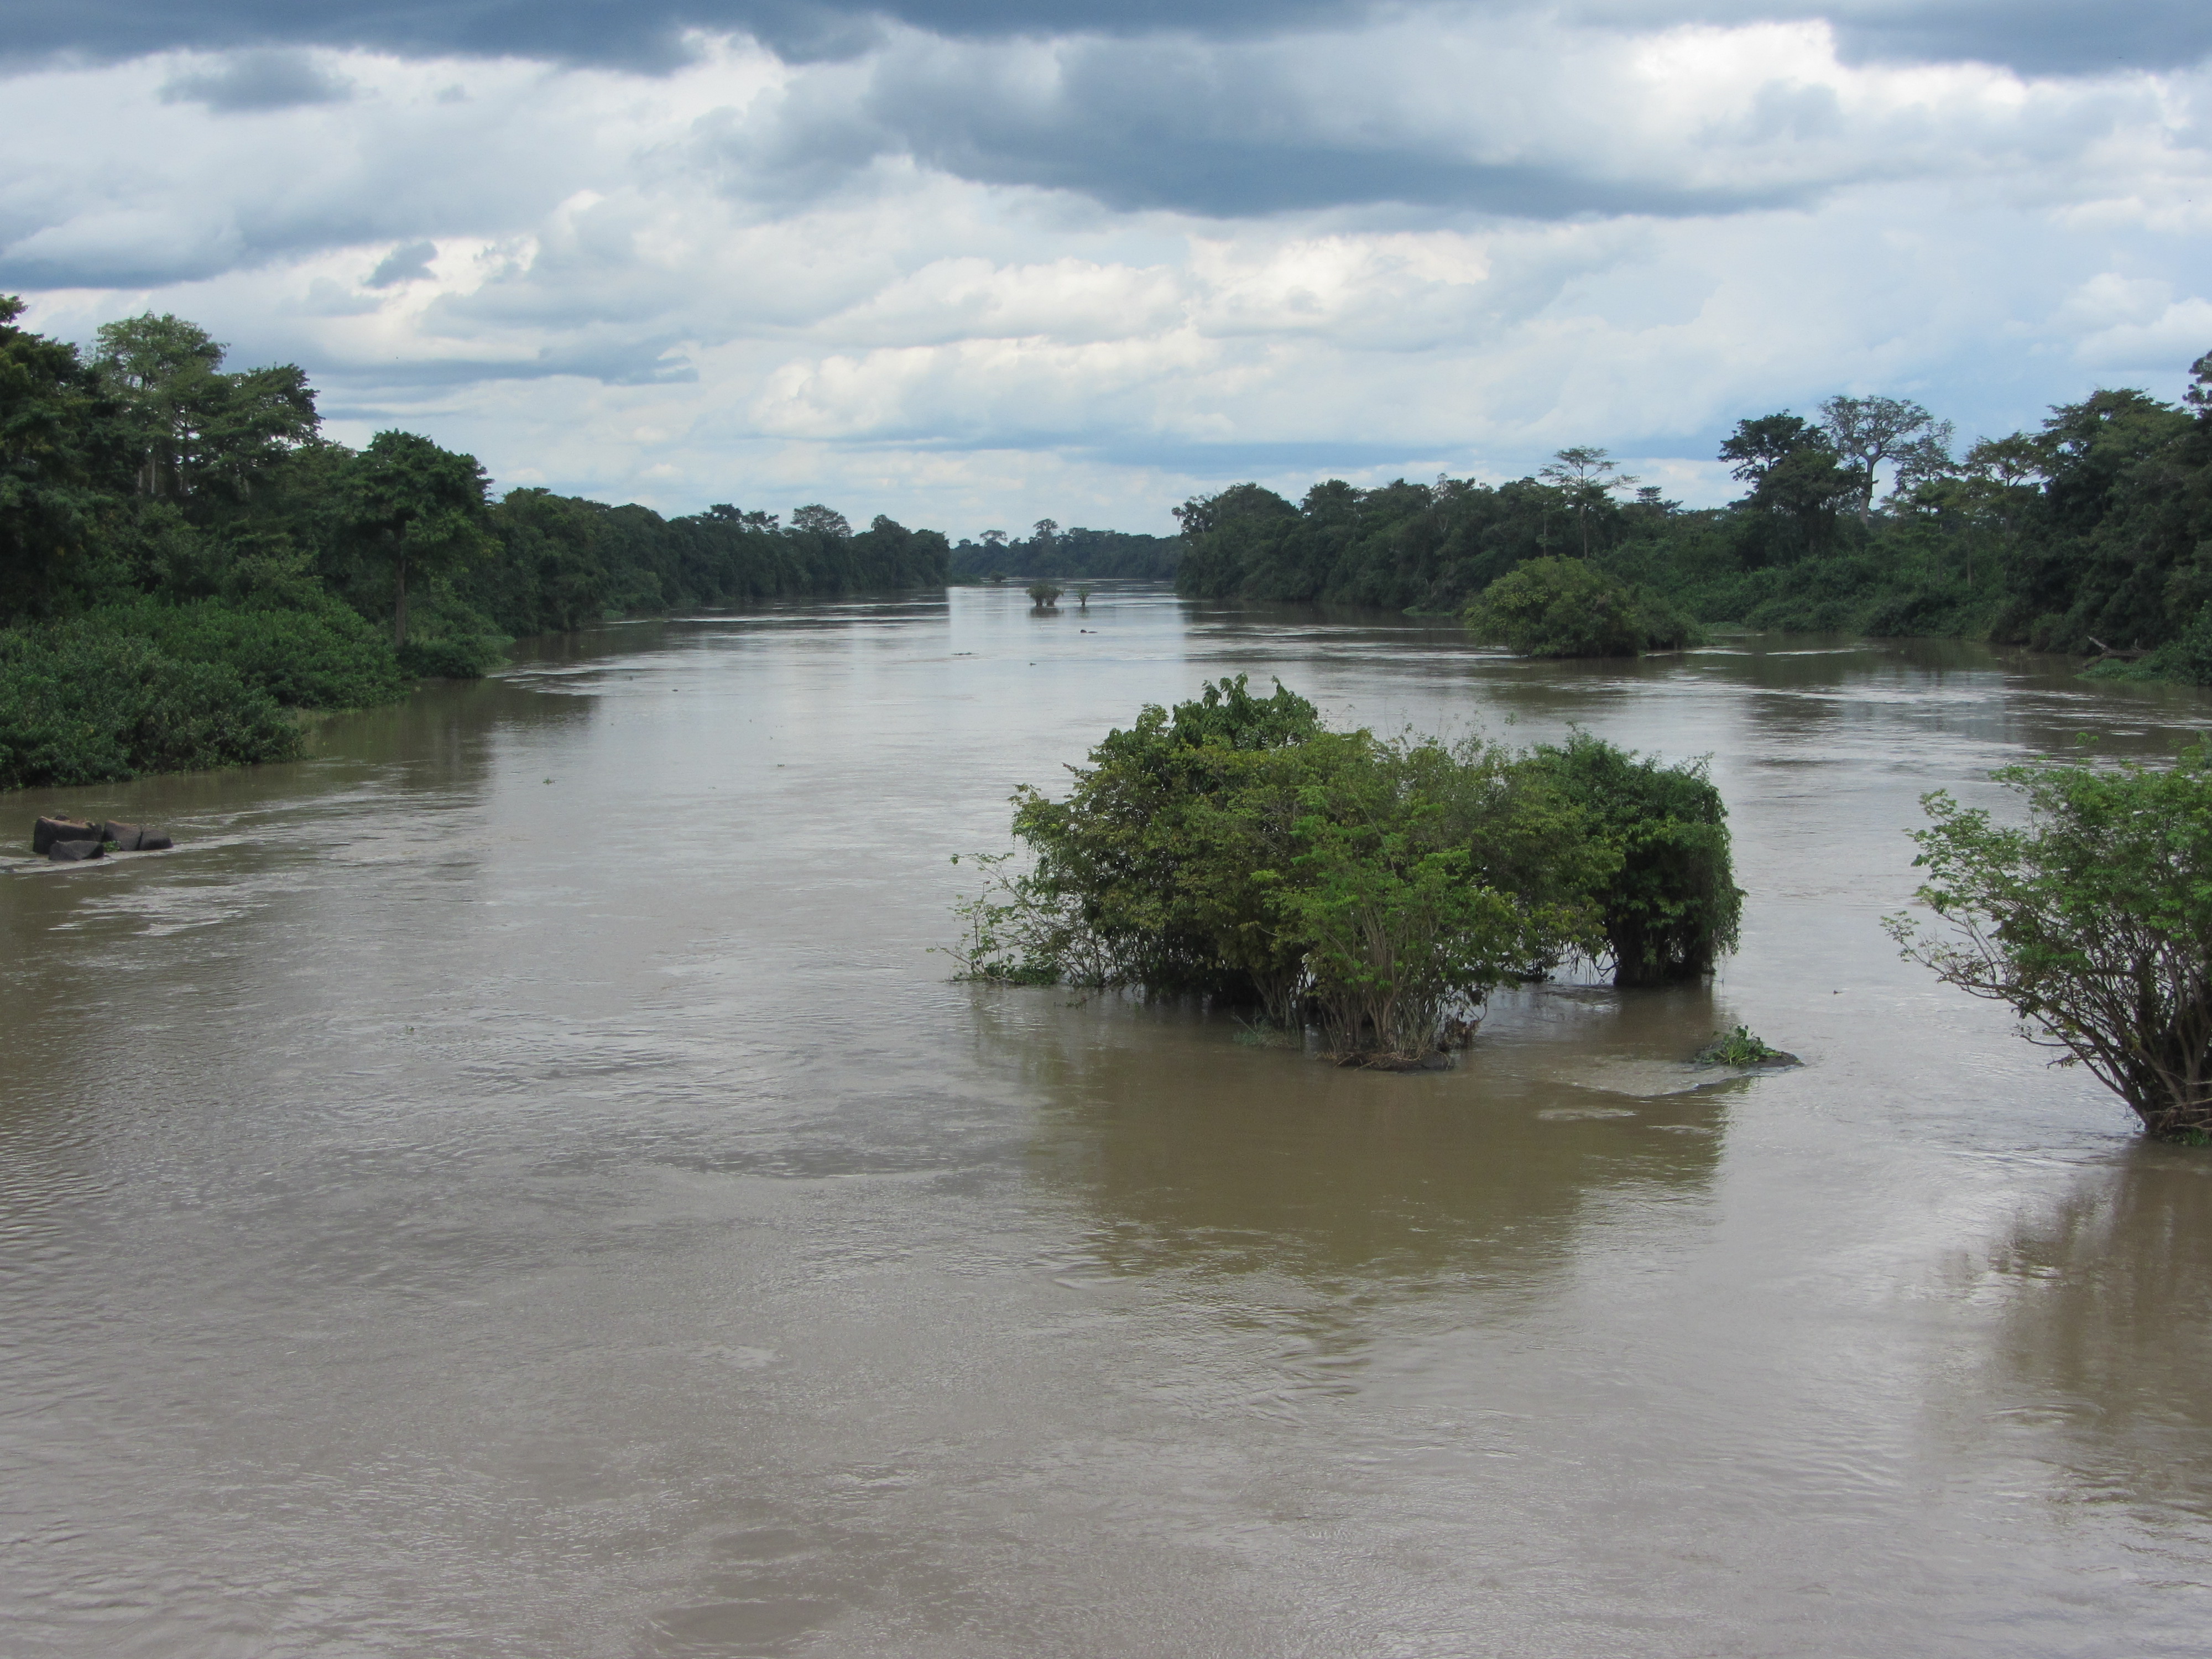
x=2039, y=36
x=642, y=34
x=1181, y=126
x=264, y=79
x=2036, y=37
x=403, y=265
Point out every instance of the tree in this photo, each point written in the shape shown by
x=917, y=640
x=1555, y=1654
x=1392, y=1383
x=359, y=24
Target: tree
x=1797, y=481
x=1584, y=477
x=1757, y=447
x=1236, y=847
x=1865, y=432
x=194, y=428
x=1670, y=905
x=1559, y=608
x=1984, y=501
x=822, y=520
x=419, y=509
x=1045, y=530
x=1045, y=596
x=2093, y=921
x=49, y=454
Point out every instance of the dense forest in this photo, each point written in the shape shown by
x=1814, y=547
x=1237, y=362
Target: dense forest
x=185, y=557
x=1050, y=552
x=2092, y=534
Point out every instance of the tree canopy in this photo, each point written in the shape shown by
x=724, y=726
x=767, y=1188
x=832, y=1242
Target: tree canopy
x=161, y=513
x=2087, y=534
x=2093, y=921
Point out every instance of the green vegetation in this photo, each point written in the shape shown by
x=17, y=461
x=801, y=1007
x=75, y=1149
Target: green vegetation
x=80, y=703
x=1051, y=552
x=1738, y=1047
x=2090, y=534
x=184, y=557
x=1236, y=848
x=1668, y=899
x=1571, y=608
x=1045, y=596
x=2093, y=921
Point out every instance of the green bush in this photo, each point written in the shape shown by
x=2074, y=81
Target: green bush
x=2093, y=921
x=1234, y=847
x=465, y=657
x=1571, y=608
x=80, y=704
x=1671, y=905
x=325, y=657
x=1740, y=1046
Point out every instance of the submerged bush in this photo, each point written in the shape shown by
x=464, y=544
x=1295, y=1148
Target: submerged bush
x=1740, y=1046
x=1554, y=607
x=1671, y=905
x=80, y=704
x=2093, y=921
x=1236, y=847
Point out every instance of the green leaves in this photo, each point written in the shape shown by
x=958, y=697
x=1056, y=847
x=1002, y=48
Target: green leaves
x=1569, y=608
x=1236, y=847
x=192, y=429
x=2093, y=921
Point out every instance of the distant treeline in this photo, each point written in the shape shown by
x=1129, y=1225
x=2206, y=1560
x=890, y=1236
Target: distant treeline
x=184, y=557
x=2093, y=531
x=1051, y=551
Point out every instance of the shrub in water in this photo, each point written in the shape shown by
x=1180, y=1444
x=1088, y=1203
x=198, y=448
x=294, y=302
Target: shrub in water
x=2093, y=921
x=1671, y=905
x=1737, y=1048
x=1571, y=608
x=1236, y=847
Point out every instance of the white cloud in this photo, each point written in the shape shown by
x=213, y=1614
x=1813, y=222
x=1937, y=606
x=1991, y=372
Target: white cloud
x=971, y=281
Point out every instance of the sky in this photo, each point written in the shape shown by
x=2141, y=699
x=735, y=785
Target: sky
x=973, y=263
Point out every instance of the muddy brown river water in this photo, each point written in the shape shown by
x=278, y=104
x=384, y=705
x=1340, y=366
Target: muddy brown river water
x=516, y=1182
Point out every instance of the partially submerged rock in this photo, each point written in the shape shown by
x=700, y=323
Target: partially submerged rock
x=70, y=841
x=47, y=831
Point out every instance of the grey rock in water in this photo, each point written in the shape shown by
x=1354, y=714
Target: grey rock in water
x=151, y=842
x=70, y=852
x=123, y=837
x=47, y=831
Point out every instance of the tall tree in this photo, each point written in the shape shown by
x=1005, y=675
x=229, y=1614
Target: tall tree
x=1584, y=478
x=195, y=428
x=1797, y=480
x=419, y=508
x=48, y=453
x=1865, y=432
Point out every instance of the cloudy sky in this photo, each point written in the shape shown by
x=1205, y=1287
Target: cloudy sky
x=974, y=262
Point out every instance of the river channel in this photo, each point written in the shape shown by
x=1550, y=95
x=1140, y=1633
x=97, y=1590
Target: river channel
x=519, y=1182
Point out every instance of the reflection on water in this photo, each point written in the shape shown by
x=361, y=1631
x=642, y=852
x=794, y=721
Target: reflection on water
x=1214, y=1160
x=2103, y=1348
x=516, y=1182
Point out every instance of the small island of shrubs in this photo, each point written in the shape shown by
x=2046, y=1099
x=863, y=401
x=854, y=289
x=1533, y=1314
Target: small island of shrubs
x=1561, y=607
x=1236, y=848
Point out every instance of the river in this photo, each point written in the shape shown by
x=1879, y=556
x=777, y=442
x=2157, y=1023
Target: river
x=518, y=1182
